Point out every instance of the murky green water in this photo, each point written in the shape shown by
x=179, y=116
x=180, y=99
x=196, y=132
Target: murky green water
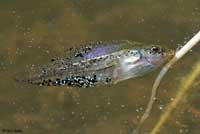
x=33, y=32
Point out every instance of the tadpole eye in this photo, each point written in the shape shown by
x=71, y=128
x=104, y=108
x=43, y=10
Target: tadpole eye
x=155, y=49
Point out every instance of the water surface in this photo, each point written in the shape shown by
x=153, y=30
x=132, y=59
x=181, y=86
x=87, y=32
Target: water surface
x=33, y=32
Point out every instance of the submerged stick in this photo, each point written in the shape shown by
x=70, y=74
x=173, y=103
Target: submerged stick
x=182, y=91
x=164, y=70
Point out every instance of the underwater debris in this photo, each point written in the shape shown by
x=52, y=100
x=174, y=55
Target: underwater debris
x=184, y=88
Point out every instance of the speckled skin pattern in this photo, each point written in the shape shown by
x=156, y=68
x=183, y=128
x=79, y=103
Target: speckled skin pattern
x=99, y=64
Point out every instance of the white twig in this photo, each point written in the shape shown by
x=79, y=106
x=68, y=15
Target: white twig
x=164, y=70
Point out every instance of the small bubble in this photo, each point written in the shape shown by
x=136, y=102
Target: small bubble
x=82, y=117
x=47, y=51
x=122, y=106
x=30, y=46
x=181, y=130
x=97, y=106
x=105, y=118
x=138, y=117
x=161, y=107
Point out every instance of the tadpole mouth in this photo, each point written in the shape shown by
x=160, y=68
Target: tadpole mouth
x=165, y=56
